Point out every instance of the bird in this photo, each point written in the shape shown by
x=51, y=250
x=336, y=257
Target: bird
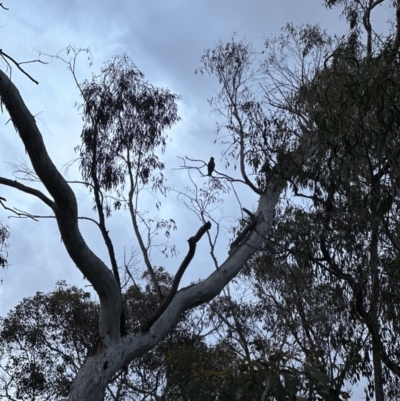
x=145, y=175
x=211, y=166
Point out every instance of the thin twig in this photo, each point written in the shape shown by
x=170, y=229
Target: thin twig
x=5, y=55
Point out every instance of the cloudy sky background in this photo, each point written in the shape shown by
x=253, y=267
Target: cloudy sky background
x=165, y=39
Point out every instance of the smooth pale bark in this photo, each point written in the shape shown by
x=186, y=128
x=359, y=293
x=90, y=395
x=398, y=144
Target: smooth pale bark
x=115, y=352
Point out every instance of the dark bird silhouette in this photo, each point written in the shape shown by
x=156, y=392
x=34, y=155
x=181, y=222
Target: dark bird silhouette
x=145, y=175
x=211, y=166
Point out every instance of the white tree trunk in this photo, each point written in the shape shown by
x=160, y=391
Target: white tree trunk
x=115, y=352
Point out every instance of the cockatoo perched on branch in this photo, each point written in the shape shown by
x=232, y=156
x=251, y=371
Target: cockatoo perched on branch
x=211, y=166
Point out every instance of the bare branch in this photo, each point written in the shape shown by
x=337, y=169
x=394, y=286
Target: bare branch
x=28, y=190
x=133, y=214
x=6, y=56
x=17, y=212
x=396, y=43
x=185, y=263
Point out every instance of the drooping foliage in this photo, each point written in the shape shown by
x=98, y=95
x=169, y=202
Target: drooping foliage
x=46, y=339
x=4, y=234
x=125, y=121
x=344, y=237
x=322, y=114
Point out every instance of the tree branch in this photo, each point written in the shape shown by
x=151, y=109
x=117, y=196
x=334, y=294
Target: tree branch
x=164, y=305
x=139, y=343
x=132, y=212
x=6, y=56
x=28, y=190
x=66, y=211
x=396, y=43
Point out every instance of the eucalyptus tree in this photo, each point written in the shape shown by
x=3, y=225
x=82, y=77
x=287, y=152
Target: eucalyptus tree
x=311, y=118
x=46, y=338
x=329, y=267
x=123, y=126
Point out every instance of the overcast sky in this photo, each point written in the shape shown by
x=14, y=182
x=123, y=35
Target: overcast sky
x=165, y=39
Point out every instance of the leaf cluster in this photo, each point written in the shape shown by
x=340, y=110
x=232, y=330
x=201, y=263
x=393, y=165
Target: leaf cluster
x=124, y=122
